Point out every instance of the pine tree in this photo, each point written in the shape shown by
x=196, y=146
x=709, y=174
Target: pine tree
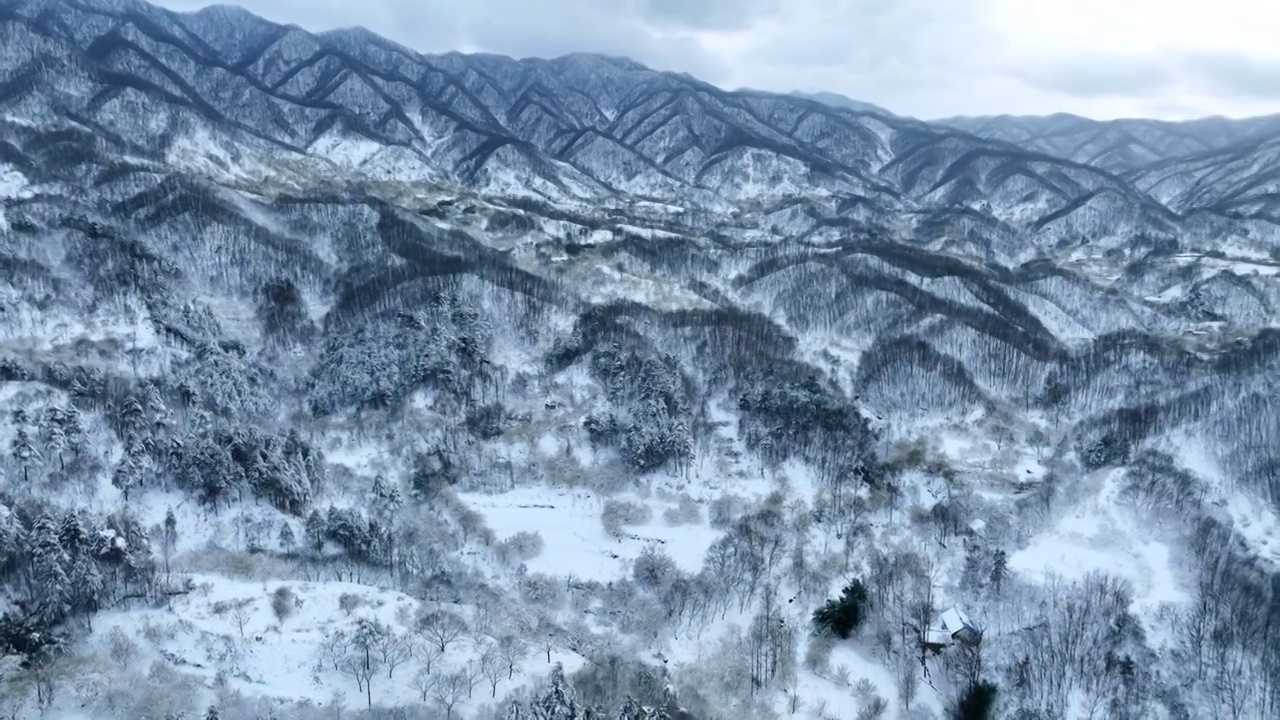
x=125, y=476
x=316, y=531
x=558, y=702
x=154, y=403
x=168, y=541
x=86, y=586
x=73, y=428
x=50, y=588
x=52, y=433
x=844, y=615
x=212, y=713
x=24, y=452
x=287, y=541
x=632, y=710
x=132, y=419
x=73, y=535
x=999, y=568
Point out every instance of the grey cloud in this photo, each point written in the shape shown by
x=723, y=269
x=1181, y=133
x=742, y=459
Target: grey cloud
x=928, y=58
x=707, y=14
x=871, y=35
x=1233, y=74
x=1100, y=77
x=870, y=50
x=513, y=27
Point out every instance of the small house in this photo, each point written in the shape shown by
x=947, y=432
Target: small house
x=952, y=627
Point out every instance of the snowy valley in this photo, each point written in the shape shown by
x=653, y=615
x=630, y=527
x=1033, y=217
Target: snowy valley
x=340, y=380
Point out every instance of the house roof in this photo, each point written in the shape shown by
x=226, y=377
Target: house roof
x=935, y=636
x=954, y=620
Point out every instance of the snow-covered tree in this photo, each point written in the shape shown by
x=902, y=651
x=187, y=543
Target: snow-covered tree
x=168, y=541
x=53, y=430
x=24, y=452
x=558, y=701
x=50, y=591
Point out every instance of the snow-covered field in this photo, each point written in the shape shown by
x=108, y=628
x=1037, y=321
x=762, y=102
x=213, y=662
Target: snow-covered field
x=1102, y=533
x=575, y=543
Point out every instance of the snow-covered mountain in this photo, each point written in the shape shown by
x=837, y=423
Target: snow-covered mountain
x=1119, y=146
x=339, y=376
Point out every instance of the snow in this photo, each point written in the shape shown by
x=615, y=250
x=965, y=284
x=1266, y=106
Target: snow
x=574, y=540
x=13, y=186
x=598, y=282
x=1102, y=533
x=1253, y=520
x=199, y=633
x=1238, y=265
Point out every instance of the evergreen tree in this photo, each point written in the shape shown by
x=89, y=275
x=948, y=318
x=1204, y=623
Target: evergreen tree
x=316, y=530
x=154, y=402
x=125, y=476
x=50, y=587
x=977, y=703
x=287, y=540
x=24, y=452
x=132, y=419
x=999, y=568
x=168, y=541
x=844, y=615
x=53, y=428
x=558, y=701
x=73, y=428
x=633, y=710
x=86, y=586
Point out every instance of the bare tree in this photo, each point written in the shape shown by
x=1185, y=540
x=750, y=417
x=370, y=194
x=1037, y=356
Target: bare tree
x=441, y=627
x=333, y=648
x=1195, y=624
x=240, y=615
x=354, y=664
x=427, y=653
x=512, y=649
x=471, y=673
x=423, y=682
x=393, y=650
x=1039, y=441
x=908, y=680
x=493, y=667
x=548, y=638
x=448, y=691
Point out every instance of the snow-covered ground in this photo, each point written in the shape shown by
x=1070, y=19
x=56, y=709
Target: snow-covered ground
x=1255, y=522
x=575, y=541
x=227, y=629
x=1103, y=533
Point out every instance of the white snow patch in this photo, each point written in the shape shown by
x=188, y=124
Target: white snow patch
x=1103, y=534
x=574, y=541
x=1256, y=523
x=13, y=185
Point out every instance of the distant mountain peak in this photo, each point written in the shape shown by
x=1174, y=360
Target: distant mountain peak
x=840, y=101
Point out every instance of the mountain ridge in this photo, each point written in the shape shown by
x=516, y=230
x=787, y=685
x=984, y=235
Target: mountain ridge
x=604, y=388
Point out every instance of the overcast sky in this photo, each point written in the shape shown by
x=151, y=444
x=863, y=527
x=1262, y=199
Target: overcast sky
x=926, y=58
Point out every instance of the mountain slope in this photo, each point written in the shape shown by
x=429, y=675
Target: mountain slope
x=450, y=369
x=573, y=129
x=1118, y=146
